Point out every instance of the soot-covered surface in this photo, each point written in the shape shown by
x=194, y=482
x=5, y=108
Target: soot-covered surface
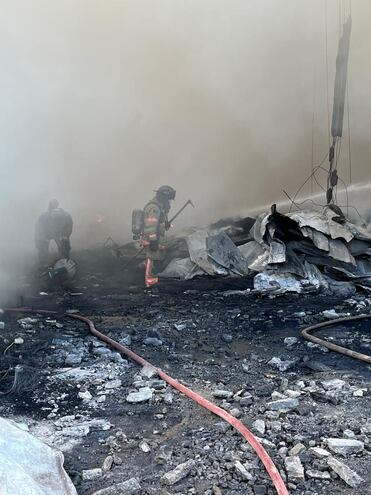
x=208, y=339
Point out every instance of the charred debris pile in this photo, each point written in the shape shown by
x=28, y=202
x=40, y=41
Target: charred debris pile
x=301, y=251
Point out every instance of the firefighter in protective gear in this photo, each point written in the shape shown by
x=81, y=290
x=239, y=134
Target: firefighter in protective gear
x=155, y=224
x=54, y=224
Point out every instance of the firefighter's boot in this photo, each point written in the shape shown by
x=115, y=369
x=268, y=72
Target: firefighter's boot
x=149, y=279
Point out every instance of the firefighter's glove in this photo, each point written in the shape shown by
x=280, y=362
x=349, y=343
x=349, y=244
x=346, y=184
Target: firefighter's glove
x=167, y=225
x=153, y=245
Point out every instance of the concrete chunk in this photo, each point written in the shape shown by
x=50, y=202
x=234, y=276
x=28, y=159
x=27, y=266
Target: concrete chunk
x=297, y=449
x=129, y=487
x=294, y=468
x=259, y=426
x=335, y=384
x=107, y=464
x=283, y=404
x=76, y=431
x=330, y=314
x=242, y=471
x=349, y=434
x=144, y=447
x=142, y=395
x=222, y=394
x=113, y=384
x=148, y=372
x=85, y=395
x=290, y=341
x=91, y=474
x=319, y=453
x=177, y=474
x=345, y=446
x=318, y=475
x=350, y=477
x=277, y=362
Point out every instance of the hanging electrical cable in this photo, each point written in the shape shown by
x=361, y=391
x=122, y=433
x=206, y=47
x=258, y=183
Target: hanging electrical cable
x=308, y=178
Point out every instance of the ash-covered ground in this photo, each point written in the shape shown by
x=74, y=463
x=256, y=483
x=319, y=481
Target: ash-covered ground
x=240, y=350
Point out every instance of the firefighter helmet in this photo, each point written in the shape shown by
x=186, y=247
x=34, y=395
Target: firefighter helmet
x=166, y=192
x=53, y=204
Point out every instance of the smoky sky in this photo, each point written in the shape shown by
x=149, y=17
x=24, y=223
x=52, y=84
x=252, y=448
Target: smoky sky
x=102, y=101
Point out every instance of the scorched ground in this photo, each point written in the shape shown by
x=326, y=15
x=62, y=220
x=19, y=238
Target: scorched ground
x=240, y=350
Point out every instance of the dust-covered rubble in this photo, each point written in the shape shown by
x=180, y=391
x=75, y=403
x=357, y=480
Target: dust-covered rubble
x=112, y=443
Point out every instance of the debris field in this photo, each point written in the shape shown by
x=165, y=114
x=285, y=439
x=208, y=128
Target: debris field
x=123, y=430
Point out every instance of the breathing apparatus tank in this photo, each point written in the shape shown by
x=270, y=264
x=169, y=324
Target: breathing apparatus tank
x=137, y=223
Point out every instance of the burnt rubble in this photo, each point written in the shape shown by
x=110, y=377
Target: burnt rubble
x=301, y=251
x=308, y=250
x=122, y=428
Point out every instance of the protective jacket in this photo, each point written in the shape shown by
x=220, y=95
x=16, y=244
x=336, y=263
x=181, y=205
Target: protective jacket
x=55, y=224
x=155, y=220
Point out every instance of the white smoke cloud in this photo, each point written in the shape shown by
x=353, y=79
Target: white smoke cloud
x=103, y=101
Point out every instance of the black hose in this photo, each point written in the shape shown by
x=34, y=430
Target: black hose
x=334, y=347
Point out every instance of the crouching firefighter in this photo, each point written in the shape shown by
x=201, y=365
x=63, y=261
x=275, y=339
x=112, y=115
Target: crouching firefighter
x=54, y=224
x=155, y=223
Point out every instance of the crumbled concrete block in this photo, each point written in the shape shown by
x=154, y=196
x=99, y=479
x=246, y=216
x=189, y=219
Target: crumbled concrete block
x=180, y=472
x=144, y=447
x=76, y=431
x=259, y=426
x=345, y=446
x=330, y=314
x=113, y=384
x=148, y=372
x=107, y=463
x=297, y=449
x=335, y=384
x=294, y=468
x=242, y=471
x=318, y=475
x=85, y=395
x=222, y=394
x=235, y=412
x=142, y=395
x=277, y=362
x=290, y=341
x=283, y=405
x=319, y=453
x=350, y=477
x=91, y=474
x=129, y=487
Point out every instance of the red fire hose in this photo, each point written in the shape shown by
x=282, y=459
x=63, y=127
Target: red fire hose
x=237, y=424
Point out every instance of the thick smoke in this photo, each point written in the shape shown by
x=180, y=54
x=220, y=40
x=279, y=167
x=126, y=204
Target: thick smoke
x=102, y=101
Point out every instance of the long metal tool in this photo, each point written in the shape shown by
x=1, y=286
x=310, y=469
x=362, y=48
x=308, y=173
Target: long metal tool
x=189, y=202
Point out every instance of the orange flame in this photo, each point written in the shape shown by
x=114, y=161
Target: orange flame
x=99, y=218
